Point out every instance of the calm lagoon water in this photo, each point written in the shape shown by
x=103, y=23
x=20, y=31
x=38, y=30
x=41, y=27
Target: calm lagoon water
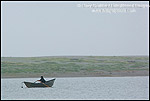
x=78, y=88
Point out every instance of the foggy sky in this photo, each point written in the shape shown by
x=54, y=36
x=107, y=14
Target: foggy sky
x=63, y=29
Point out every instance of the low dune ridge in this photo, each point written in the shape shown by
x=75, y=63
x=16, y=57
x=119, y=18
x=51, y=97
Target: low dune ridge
x=74, y=66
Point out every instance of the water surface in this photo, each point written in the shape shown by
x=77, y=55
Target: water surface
x=78, y=88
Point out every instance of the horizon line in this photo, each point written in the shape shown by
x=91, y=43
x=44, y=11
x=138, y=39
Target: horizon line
x=74, y=55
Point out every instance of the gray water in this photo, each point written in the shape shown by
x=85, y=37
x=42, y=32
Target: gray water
x=78, y=88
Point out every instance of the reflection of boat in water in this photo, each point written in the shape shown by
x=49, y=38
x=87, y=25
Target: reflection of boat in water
x=48, y=83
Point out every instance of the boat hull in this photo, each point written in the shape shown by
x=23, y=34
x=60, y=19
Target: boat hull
x=46, y=84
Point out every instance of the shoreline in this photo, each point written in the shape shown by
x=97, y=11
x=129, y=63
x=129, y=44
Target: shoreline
x=73, y=77
x=78, y=74
x=68, y=75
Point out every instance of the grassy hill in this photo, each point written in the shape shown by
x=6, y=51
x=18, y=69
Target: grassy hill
x=73, y=66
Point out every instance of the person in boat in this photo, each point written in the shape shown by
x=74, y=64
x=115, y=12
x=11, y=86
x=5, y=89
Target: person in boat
x=42, y=79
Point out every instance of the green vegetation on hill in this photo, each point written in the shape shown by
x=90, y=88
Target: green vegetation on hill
x=69, y=64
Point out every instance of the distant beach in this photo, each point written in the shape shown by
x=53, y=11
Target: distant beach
x=78, y=74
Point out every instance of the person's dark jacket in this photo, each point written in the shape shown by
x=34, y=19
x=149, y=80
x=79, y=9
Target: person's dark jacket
x=42, y=79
